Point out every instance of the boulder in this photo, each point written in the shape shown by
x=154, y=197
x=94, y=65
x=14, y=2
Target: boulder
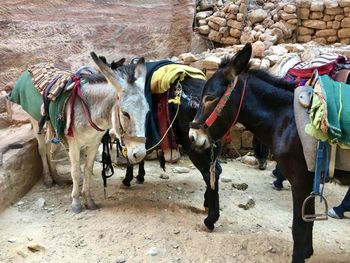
x=218, y=20
x=204, y=30
x=344, y=3
x=291, y=9
x=317, y=6
x=316, y=24
x=258, y=49
x=345, y=22
x=211, y=62
x=257, y=15
x=203, y=14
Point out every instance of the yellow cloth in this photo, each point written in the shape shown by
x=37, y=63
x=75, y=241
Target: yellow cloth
x=163, y=77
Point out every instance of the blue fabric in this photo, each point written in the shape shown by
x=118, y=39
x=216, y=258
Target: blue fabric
x=344, y=206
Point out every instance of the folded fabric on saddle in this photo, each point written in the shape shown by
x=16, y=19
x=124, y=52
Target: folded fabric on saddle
x=330, y=112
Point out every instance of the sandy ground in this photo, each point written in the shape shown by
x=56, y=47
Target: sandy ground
x=161, y=221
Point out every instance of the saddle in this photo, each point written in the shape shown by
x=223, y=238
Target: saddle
x=303, y=96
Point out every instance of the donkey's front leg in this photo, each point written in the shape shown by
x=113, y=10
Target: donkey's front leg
x=91, y=152
x=74, y=156
x=211, y=199
x=302, y=231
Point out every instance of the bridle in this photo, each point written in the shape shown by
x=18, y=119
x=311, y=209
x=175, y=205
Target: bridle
x=213, y=117
x=219, y=107
x=124, y=136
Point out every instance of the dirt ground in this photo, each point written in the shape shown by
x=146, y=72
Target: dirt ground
x=161, y=221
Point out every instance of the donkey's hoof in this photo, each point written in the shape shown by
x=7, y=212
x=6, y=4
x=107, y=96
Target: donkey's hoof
x=90, y=204
x=76, y=208
x=139, y=182
x=209, y=225
x=126, y=183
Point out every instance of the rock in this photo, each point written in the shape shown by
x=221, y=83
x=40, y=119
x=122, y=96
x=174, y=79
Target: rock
x=204, y=30
x=153, y=251
x=286, y=16
x=290, y=9
x=213, y=25
x=250, y=203
x=214, y=35
x=12, y=239
x=344, y=33
x=265, y=64
x=303, y=3
x=257, y=15
x=273, y=59
x=235, y=32
x=316, y=24
x=334, y=11
x=242, y=186
x=211, y=62
x=225, y=179
x=120, y=259
x=278, y=50
x=230, y=40
x=203, y=14
x=250, y=160
x=317, y=6
x=331, y=3
x=344, y=3
x=316, y=15
x=164, y=176
x=254, y=64
x=305, y=31
x=207, y=4
x=304, y=38
x=258, y=49
x=218, y=20
x=345, y=22
x=188, y=57
x=181, y=170
x=246, y=37
x=179, y=189
x=35, y=247
x=21, y=253
x=326, y=33
x=234, y=24
x=41, y=202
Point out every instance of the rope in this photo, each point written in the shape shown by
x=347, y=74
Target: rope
x=176, y=100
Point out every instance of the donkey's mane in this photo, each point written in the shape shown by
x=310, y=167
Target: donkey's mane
x=128, y=71
x=274, y=81
x=94, y=78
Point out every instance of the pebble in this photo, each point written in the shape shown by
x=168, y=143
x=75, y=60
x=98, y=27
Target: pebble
x=20, y=203
x=12, y=239
x=35, y=247
x=153, y=251
x=120, y=259
x=41, y=202
x=181, y=170
x=164, y=176
x=250, y=203
x=178, y=189
x=242, y=186
x=226, y=179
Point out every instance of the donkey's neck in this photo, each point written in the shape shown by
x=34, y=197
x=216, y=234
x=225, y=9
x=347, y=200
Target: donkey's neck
x=267, y=110
x=100, y=98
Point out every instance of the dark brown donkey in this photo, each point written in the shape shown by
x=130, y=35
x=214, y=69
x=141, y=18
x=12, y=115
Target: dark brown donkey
x=264, y=104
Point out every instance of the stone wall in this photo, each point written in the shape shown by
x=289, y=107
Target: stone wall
x=324, y=22
x=274, y=22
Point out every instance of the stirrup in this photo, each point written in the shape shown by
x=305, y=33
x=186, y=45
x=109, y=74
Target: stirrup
x=314, y=217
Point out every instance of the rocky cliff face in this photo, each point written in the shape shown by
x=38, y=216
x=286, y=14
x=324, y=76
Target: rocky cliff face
x=69, y=30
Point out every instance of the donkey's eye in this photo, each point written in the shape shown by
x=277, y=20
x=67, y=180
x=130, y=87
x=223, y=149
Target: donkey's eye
x=125, y=114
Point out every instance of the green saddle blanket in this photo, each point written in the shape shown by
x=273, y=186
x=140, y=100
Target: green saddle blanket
x=330, y=112
x=26, y=94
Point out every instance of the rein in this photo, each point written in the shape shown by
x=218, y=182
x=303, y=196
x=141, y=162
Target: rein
x=77, y=92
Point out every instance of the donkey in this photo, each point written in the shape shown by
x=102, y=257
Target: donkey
x=264, y=104
x=115, y=99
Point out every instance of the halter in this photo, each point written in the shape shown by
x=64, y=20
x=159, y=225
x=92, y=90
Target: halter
x=221, y=104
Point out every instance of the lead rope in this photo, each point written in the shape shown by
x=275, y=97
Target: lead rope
x=212, y=167
x=177, y=101
x=106, y=161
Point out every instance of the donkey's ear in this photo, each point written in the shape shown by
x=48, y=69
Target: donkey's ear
x=103, y=59
x=238, y=62
x=107, y=72
x=117, y=64
x=140, y=69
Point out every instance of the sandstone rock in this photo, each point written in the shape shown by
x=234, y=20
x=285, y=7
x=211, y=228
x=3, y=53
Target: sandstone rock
x=213, y=25
x=249, y=204
x=279, y=50
x=214, y=35
x=218, y=20
x=332, y=39
x=326, y=33
x=329, y=24
x=230, y=40
x=234, y=24
x=269, y=6
x=224, y=31
x=242, y=8
x=240, y=17
x=203, y=14
x=316, y=24
x=334, y=11
x=258, y=49
x=327, y=18
x=292, y=21
x=219, y=14
x=188, y=57
x=254, y=64
x=211, y=62
x=246, y=37
x=233, y=9
x=273, y=59
x=320, y=40
x=305, y=31
x=303, y=3
x=257, y=15
x=235, y=32
x=181, y=169
x=286, y=28
x=304, y=13
x=345, y=40
x=331, y=3
x=206, y=4
x=338, y=17
x=344, y=3
x=317, y=6
x=345, y=22
x=120, y=259
x=316, y=15
x=344, y=33
x=202, y=22
x=204, y=30
x=291, y=9
x=286, y=16
x=336, y=25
